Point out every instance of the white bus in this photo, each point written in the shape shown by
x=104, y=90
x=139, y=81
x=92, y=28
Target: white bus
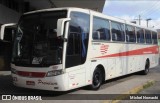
x=61, y=49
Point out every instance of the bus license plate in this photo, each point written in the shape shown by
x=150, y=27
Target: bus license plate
x=30, y=83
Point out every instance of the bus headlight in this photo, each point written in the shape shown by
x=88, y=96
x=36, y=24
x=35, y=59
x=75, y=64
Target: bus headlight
x=14, y=71
x=55, y=73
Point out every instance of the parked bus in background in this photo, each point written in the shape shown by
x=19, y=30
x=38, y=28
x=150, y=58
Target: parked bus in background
x=65, y=48
x=7, y=32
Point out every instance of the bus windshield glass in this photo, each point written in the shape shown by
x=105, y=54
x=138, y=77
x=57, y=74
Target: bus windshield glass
x=36, y=42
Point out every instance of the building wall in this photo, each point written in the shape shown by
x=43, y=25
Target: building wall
x=8, y=15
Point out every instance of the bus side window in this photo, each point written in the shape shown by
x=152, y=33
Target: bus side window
x=140, y=35
x=118, y=32
x=96, y=35
x=130, y=34
x=154, y=38
x=127, y=38
x=114, y=36
x=148, y=36
x=101, y=29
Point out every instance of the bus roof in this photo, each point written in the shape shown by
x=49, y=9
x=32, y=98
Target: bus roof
x=53, y=9
x=116, y=19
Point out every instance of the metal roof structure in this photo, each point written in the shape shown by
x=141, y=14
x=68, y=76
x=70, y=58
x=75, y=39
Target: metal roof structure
x=96, y=5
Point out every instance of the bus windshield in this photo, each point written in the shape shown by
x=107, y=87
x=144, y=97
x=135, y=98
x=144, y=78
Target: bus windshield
x=36, y=42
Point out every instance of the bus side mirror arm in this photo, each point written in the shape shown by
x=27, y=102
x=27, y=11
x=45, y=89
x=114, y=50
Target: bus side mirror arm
x=61, y=25
x=3, y=27
x=2, y=32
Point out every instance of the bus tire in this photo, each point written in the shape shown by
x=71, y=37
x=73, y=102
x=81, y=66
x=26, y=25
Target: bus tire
x=146, y=70
x=96, y=79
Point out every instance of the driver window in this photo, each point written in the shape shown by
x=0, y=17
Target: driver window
x=77, y=44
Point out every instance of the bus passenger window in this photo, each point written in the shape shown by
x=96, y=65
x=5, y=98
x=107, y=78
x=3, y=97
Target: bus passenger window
x=96, y=35
x=114, y=36
x=117, y=31
x=148, y=36
x=140, y=35
x=101, y=29
x=130, y=34
x=154, y=38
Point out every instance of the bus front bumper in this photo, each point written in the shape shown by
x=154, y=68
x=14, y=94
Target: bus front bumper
x=54, y=83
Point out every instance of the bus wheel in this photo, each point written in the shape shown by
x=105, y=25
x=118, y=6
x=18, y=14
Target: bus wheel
x=96, y=80
x=146, y=70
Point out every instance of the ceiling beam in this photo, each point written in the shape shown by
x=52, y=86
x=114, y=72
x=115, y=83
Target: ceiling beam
x=52, y=4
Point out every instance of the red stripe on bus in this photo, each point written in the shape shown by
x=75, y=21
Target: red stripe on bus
x=31, y=74
x=148, y=50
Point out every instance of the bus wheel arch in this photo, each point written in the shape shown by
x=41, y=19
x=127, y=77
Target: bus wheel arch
x=147, y=66
x=148, y=63
x=98, y=77
x=103, y=72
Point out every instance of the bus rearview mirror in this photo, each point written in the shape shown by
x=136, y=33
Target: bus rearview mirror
x=61, y=26
x=7, y=32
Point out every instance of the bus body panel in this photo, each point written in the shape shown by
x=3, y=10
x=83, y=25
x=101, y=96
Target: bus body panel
x=58, y=83
x=120, y=60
